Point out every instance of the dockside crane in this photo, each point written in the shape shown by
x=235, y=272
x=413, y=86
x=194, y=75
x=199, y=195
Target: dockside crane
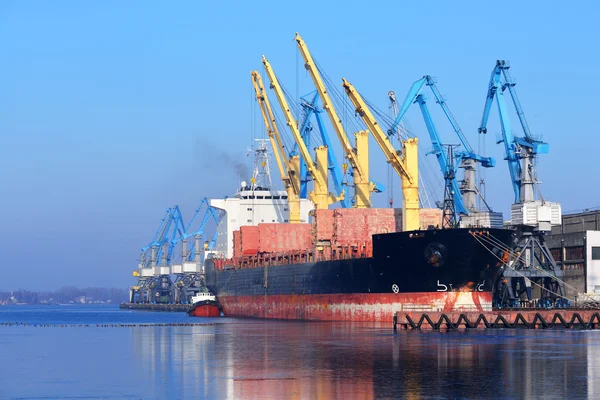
x=520, y=151
x=189, y=277
x=311, y=107
x=161, y=248
x=406, y=164
x=318, y=169
x=288, y=166
x=359, y=158
x=154, y=283
x=464, y=195
x=532, y=218
x=194, y=253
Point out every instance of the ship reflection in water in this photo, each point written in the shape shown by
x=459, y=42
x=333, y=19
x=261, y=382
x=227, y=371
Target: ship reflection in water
x=294, y=360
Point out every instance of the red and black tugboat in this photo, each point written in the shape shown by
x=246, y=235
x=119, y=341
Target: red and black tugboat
x=204, y=304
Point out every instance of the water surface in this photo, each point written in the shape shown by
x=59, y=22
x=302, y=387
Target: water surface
x=246, y=358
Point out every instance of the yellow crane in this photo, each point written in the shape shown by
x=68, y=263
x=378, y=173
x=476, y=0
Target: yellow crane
x=406, y=165
x=318, y=169
x=288, y=167
x=359, y=160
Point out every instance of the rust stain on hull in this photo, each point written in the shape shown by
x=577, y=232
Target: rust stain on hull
x=368, y=307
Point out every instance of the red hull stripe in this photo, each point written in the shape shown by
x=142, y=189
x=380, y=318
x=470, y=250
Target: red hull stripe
x=369, y=307
x=205, y=311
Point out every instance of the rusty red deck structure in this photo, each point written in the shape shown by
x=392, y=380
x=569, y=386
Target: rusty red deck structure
x=527, y=318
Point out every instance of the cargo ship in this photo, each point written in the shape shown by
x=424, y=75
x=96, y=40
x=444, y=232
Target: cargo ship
x=346, y=264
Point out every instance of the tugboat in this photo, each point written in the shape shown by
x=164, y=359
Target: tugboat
x=204, y=304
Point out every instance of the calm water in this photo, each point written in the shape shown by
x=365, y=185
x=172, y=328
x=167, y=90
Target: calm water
x=244, y=358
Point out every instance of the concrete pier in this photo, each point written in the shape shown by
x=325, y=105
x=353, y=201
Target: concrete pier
x=155, y=307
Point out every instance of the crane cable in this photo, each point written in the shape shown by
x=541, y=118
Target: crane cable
x=425, y=173
x=499, y=244
x=477, y=237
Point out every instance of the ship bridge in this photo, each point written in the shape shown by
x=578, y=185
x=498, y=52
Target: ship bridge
x=254, y=203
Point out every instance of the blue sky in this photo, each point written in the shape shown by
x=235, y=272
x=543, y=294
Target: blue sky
x=112, y=111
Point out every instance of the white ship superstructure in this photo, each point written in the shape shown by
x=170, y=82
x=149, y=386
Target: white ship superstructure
x=251, y=207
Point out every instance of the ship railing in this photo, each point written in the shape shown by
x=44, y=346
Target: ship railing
x=320, y=253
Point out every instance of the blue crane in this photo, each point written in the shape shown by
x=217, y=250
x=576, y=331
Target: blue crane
x=311, y=107
x=533, y=219
x=414, y=96
x=209, y=213
x=178, y=229
x=171, y=225
x=515, y=148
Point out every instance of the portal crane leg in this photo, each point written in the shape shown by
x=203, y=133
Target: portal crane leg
x=362, y=186
x=321, y=192
x=410, y=188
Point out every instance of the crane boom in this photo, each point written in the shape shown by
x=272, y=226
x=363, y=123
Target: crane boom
x=363, y=187
x=411, y=97
x=286, y=170
x=320, y=196
x=464, y=199
x=440, y=100
x=406, y=166
x=311, y=107
x=441, y=156
x=515, y=148
x=278, y=150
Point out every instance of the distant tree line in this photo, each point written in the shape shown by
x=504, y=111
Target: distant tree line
x=66, y=295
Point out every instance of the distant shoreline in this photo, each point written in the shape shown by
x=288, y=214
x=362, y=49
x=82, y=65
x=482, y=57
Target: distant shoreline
x=68, y=295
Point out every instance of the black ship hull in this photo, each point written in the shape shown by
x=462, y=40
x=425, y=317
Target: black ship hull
x=430, y=270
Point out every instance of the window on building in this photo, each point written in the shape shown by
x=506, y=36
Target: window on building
x=595, y=253
x=249, y=208
x=276, y=197
x=284, y=197
x=249, y=220
x=260, y=197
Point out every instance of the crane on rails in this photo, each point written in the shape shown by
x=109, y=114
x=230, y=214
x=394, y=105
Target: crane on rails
x=189, y=274
x=154, y=283
x=532, y=261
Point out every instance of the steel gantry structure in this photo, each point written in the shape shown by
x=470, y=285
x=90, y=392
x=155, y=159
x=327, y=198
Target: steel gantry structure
x=154, y=283
x=531, y=260
x=189, y=274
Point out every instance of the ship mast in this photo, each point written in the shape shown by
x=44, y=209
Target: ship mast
x=261, y=176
